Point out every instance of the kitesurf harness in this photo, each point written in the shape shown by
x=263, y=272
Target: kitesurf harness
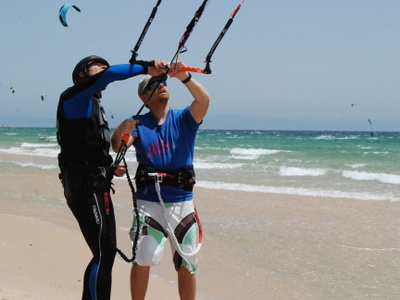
x=183, y=178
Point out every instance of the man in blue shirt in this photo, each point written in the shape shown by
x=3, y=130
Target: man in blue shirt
x=164, y=140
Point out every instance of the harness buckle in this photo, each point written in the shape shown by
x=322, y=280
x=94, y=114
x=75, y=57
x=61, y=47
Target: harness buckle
x=102, y=171
x=158, y=176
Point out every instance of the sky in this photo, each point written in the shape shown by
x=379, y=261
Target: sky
x=283, y=64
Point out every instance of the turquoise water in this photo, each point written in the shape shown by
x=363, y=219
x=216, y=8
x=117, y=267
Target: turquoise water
x=315, y=163
x=334, y=164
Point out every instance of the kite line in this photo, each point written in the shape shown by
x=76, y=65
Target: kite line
x=207, y=69
x=181, y=48
x=124, y=147
x=144, y=31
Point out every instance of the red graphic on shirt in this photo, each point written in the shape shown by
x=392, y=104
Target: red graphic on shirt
x=159, y=147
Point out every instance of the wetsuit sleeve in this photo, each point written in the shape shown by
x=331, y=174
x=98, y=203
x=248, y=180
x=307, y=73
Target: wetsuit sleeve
x=78, y=102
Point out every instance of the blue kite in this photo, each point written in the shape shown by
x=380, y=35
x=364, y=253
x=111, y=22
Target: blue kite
x=63, y=13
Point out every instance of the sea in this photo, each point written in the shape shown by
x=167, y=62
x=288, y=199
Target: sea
x=339, y=241
x=311, y=163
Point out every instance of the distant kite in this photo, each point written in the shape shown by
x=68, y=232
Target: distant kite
x=63, y=13
x=42, y=97
x=12, y=90
x=353, y=105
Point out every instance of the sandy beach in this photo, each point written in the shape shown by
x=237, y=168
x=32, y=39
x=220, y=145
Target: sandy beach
x=265, y=246
x=40, y=260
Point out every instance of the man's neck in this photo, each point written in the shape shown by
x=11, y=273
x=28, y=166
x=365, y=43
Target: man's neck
x=160, y=113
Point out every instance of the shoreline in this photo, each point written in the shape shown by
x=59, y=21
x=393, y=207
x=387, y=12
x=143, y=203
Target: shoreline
x=230, y=129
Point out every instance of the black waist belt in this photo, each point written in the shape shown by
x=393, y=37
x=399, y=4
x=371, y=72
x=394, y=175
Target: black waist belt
x=183, y=178
x=82, y=170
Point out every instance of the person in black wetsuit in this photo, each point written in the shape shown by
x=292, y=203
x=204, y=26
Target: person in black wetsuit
x=85, y=164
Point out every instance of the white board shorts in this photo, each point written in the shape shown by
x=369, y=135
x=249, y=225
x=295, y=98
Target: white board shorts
x=155, y=225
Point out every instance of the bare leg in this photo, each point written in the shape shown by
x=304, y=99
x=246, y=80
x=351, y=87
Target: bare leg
x=186, y=284
x=139, y=281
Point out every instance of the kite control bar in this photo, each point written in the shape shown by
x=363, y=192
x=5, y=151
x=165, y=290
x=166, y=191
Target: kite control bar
x=192, y=69
x=183, y=68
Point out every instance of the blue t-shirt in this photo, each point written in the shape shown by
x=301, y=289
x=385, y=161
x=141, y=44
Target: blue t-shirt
x=166, y=146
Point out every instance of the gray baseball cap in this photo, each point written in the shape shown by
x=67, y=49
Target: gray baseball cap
x=147, y=80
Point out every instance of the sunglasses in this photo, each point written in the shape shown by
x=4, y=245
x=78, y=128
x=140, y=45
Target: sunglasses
x=154, y=84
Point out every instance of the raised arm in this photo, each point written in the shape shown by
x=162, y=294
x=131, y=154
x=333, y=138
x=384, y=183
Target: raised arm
x=201, y=102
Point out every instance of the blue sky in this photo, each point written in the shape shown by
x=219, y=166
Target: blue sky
x=283, y=64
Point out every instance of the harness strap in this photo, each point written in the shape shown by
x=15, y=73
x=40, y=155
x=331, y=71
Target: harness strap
x=83, y=170
x=183, y=178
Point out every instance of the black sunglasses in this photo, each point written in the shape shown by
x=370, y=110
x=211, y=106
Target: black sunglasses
x=154, y=84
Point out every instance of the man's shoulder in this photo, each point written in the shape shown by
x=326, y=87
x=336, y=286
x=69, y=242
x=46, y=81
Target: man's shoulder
x=180, y=111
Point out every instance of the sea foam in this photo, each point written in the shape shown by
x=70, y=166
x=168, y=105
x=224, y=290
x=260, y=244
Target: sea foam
x=292, y=171
x=295, y=191
x=252, y=153
x=368, y=176
x=39, y=166
x=41, y=151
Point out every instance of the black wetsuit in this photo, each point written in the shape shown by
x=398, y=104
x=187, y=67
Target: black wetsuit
x=86, y=172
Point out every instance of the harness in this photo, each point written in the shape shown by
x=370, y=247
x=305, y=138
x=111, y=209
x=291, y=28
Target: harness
x=183, y=178
x=98, y=178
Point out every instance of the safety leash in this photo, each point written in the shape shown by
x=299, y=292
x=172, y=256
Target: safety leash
x=136, y=213
x=170, y=230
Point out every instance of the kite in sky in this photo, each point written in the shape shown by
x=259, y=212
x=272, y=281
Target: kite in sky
x=63, y=13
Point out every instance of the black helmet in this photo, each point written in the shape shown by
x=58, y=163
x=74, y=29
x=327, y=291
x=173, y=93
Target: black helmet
x=82, y=66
